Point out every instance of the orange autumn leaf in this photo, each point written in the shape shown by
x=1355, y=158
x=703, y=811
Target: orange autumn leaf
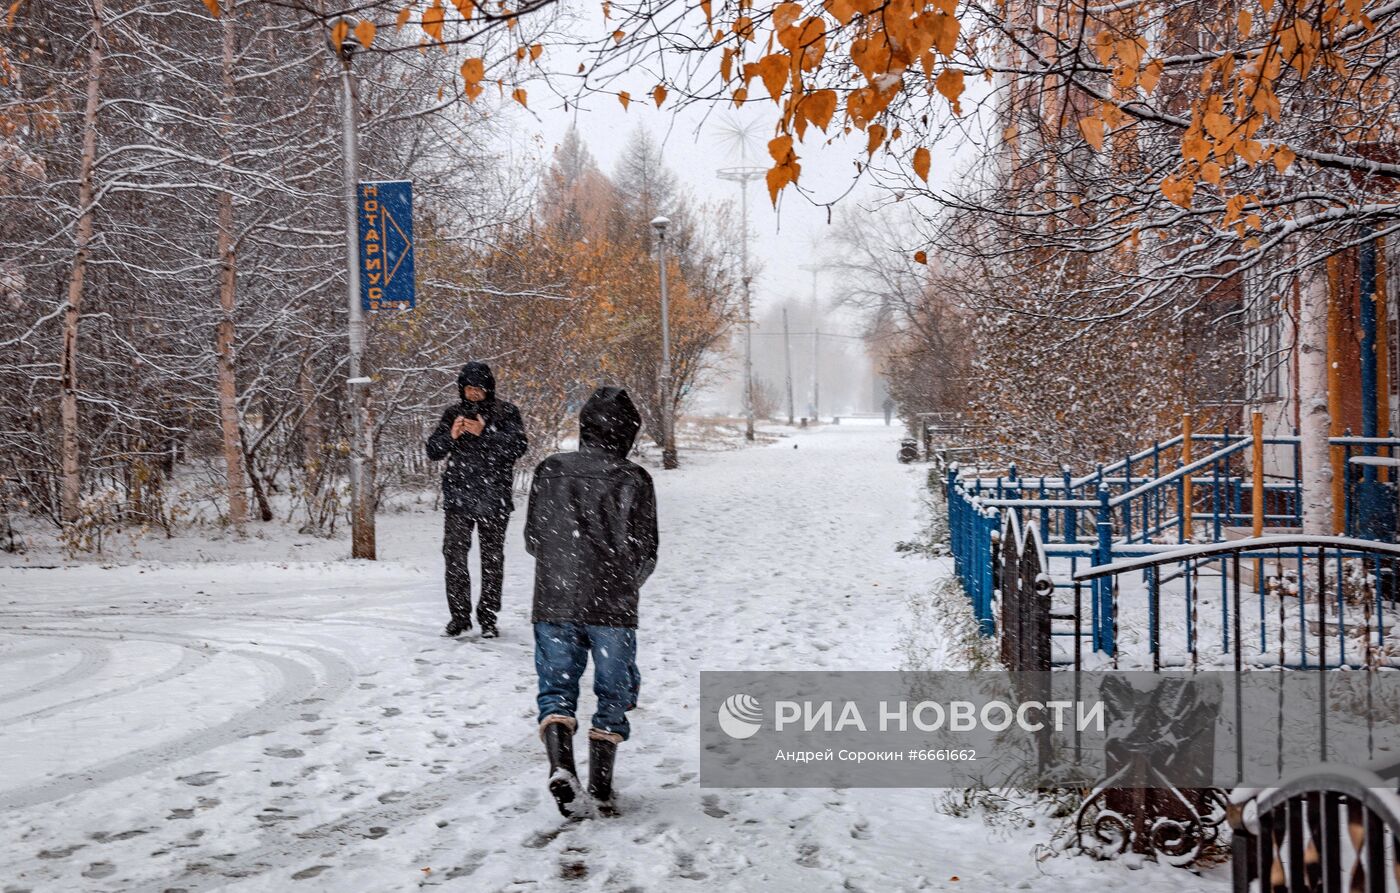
x=1091, y=128
x=466, y=8
x=339, y=31
x=535, y=52
x=403, y=17
x=518, y=94
x=812, y=41
x=774, y=71
x=875, y=138
x=364, y=33
x=950, y=84
x=659, y=94
x=625, y=98
x=1151, y=75
x=921, y=257
x=785, y=15
x=433, y=18
x=818, y=107
x=922, y=161
x=785, y=169
x=211, y=5
x=1179, y=190
x=473, y=72
x=1283, y=158
x=841, y=10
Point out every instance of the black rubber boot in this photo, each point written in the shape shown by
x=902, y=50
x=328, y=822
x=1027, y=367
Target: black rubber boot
x=601, y=754
x=563, y=776
x=455, y=628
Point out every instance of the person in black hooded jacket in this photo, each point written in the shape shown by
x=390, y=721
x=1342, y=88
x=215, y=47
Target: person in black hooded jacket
x=481, y=437
x=591, y=526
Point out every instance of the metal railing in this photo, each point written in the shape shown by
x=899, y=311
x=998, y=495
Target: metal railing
x=1291, y=601
x=1147, y=502
x=1333, y=829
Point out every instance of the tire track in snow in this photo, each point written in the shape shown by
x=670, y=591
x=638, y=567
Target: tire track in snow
x=94, y=658
x=297, y=684
x=251, y=617
x=191, y=659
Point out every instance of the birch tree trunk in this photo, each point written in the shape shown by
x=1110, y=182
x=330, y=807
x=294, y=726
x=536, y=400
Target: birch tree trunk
x=228, y=295
x=68, y=362
x=1314, y=421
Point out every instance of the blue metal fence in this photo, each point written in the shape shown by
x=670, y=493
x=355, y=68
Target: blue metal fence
x=1137, y=505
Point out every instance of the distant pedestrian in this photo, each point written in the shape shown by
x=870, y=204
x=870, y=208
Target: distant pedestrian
x=591, y=526
x=481, y=437
x=889, y=410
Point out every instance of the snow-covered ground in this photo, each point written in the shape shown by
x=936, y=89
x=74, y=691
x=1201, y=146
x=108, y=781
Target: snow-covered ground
x=255, y=722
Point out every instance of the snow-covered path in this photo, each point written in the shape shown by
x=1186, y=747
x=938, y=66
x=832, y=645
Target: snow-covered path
x=274, y=725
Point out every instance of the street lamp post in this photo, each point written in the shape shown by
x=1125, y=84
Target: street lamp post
x=362, y=544
x=743, y=175
x=668, y=432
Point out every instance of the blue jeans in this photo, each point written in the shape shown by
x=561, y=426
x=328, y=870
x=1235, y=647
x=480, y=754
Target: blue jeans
x=561, y=654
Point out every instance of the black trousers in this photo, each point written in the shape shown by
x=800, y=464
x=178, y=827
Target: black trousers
x=456, y=544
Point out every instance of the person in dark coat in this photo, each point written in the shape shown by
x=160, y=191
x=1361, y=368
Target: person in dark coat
x=481, y=437
x=591, y=526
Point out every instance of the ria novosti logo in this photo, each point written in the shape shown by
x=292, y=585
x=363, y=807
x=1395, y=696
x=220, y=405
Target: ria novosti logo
x=740, y=716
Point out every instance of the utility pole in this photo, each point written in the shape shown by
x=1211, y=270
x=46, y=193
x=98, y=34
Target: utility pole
x=362, y=543
x=787, y=363
x=816, y=345
x=669, y=459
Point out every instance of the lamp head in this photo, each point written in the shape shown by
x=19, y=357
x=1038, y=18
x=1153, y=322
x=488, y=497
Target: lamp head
x=659, y=224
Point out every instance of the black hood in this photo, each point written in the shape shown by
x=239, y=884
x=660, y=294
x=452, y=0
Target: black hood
x=479, y=375
x=609, y=420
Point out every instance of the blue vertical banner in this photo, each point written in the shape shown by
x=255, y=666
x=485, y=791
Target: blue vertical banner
x=386, y=245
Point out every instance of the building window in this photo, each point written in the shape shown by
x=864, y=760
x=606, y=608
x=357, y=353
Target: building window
x=1264, y=350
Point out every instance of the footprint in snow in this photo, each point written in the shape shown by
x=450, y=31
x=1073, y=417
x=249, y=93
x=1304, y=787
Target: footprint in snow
x=685, y=868
x=468, y=867
x=572, y=866
x=108, y=837
x=712, y=808
x=307, y=873
x=99, y=870
x=200, y=779
x=286, y=753
x=61, y=852
x=541, y=839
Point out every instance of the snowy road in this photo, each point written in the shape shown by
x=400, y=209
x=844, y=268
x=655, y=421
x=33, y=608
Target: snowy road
x=270, y=725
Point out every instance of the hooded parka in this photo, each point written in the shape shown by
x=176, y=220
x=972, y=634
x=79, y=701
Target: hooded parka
x=591, y=523
x=480, y=469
